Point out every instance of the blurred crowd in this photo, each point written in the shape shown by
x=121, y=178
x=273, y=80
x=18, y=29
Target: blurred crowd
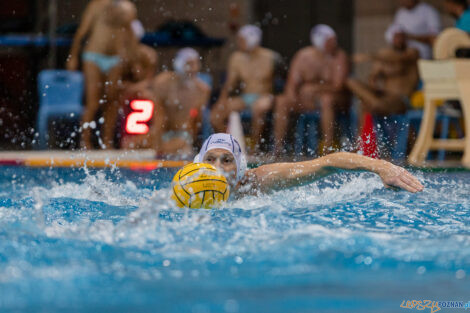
x=118, y=68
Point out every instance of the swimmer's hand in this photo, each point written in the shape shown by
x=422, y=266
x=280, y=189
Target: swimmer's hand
x=395, y=176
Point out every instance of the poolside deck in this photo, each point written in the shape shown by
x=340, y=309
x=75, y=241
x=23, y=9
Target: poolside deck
x=142, y=159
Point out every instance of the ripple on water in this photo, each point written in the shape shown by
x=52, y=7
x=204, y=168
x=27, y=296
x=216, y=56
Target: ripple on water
x=112, y=227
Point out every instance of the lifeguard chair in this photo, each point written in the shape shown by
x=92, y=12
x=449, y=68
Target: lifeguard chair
x=443, y=79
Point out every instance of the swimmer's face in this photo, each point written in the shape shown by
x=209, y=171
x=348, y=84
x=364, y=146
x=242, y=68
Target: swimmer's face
x=192, y=67
x=331, y=45
x=223, y=161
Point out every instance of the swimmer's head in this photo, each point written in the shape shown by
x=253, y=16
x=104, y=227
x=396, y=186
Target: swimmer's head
x=187, y=61
x=249, y=37
x=138, y=29
x=324, y=38
x=396, y=36
x=224, y=152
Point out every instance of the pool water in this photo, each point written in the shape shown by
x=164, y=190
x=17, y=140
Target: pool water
x=80, y=240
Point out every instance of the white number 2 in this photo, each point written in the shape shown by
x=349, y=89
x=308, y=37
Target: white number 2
x=136, y=121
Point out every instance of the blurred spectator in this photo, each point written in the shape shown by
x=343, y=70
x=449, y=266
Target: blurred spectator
x=459, y=10
x=421, y=24
x=144, y=66
x=316, y=80
x=105, y=28
x=179, y=97
x=393, y=79
x=249, y=83
x=139, y=71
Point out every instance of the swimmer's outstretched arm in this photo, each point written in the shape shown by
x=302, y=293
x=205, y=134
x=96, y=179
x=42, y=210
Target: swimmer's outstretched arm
x=281, y=175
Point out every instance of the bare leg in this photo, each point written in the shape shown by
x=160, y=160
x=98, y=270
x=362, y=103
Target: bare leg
x=260, y=108
x=327, y=119
x=222, y=110
x=94, y=92
x=364, y=92
x=111, y=109
x=367, y=97
x=282, y=109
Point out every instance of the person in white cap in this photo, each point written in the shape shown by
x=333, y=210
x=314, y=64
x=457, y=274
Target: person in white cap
x=393, y=79
x=316, y=81
x=179, y=97
x=249, y=84
x=421, y=24
x=223, y=151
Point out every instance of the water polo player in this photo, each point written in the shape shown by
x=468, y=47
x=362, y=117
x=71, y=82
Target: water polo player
x=224, y=152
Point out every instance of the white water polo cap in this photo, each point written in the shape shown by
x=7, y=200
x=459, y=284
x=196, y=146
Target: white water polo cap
x=392, y=30
x=320, y=34
x=226, y=142
x=252, y=35
x=182, y=57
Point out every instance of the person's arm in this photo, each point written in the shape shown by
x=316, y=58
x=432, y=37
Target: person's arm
x=294, y=78
x=282, y=175
x=196, y=116
x=427, y=39
x=232, y=79
x=86, y=24
x=159, y=120
x=386, y=56
x=376, y=74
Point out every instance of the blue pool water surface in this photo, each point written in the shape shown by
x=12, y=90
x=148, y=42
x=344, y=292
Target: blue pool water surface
x=77, y=240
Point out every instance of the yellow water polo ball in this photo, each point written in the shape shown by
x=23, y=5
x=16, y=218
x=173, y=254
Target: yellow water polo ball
x=199, y=186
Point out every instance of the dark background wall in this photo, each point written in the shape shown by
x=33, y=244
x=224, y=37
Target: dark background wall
x=287, y=23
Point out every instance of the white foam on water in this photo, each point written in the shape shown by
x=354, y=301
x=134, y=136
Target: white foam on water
x=349, y=214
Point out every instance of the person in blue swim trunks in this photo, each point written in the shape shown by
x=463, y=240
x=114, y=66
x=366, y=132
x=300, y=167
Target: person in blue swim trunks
x=179, y=97
x=249, y=84
x=107, y=34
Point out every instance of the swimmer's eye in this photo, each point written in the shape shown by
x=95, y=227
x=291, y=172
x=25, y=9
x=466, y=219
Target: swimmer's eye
x=209, y=159
x=228, y=160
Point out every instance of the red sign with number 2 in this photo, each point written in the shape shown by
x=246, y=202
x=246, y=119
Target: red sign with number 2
x=142, y=113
